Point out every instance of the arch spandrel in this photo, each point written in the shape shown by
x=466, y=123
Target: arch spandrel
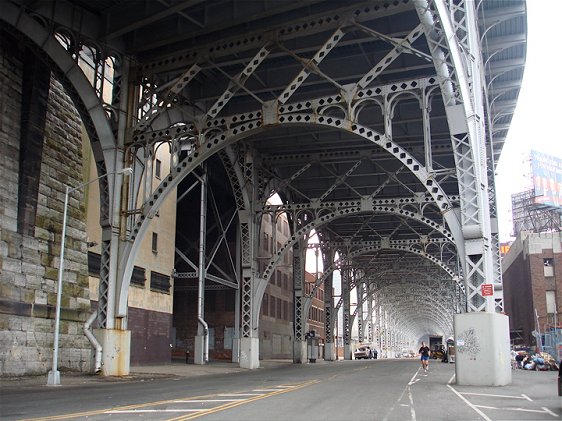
x=202, y=87
x=251, y=127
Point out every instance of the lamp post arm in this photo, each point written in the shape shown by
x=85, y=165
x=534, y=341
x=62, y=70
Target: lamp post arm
x=127, y=171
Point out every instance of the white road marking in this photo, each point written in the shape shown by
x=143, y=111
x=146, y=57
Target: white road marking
x=240, y=394
x=469, y=404
x=137, y=411
x=407, y=388
x=518, y=409
x=548, y=411
x=412, y=410
x=494, y=396
x=414, y=376
x=208, y=400
x=526, y=397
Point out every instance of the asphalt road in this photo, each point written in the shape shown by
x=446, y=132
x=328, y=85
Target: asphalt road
x=343, y=390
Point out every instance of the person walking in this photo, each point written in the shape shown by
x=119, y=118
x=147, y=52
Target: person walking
x=424, y=353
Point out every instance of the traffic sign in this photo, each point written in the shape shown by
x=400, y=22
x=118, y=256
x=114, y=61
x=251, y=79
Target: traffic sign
x=487, y=290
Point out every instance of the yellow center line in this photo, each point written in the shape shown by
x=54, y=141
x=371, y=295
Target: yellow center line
x=147, y=404
x=235, y=404
x=118, y=408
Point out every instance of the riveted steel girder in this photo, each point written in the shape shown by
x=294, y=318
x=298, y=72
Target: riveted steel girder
x=369, y=119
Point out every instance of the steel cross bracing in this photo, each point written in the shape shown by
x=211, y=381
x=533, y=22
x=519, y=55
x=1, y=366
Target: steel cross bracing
x=372, y=273
x=329, y=121
x=396, y=265
x=220, y=223
x=323, y=103
x=407, y=313
x=451, y=31
x=438, y=295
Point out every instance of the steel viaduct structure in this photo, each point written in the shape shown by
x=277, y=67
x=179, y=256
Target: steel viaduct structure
x=378, y=124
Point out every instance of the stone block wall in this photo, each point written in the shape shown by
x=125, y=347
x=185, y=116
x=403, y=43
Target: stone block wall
x=29, y=263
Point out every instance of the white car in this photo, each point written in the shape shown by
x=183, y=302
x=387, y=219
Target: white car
x=363, y=352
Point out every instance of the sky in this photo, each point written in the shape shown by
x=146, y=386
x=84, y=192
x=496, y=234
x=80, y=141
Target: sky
x=534, y=124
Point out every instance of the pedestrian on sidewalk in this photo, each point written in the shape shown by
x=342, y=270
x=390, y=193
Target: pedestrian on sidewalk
x=424, y=353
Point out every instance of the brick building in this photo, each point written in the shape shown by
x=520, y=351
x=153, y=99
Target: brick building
x=532, y=282
x=316, y=320
x=276, y=320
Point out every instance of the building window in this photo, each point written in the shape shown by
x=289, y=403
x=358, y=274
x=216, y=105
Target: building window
x=264, y=305
x=158, y=169
x=138, y=277
x=159, y=282
x=550, y=302
x=548, y=264
x=94, y=264
x=154, y=242
x=272, y=307
x=279, y=309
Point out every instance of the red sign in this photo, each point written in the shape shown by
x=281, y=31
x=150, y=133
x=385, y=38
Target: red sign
x=487, y=290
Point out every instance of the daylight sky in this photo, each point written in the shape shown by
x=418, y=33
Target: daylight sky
x=534, y=125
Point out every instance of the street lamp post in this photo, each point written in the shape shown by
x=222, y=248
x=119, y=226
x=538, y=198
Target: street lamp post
x=53, y=378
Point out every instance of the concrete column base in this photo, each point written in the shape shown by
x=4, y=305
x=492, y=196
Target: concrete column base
x=236, y=350
x=299, y=352
x=199, y=351
x=347, y=352
x=482, y=349
x=116, y=351
x=330, y=352
x=250, y=353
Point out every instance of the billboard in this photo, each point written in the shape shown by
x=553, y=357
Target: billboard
x=547, y=179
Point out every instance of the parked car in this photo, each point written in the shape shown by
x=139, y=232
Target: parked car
x=363, y=352
x=438, y=352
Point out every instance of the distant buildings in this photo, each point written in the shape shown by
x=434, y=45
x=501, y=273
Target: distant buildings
x=532, y=279
x=532, y=264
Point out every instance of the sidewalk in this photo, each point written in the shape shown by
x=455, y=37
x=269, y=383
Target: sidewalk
x=140, y=373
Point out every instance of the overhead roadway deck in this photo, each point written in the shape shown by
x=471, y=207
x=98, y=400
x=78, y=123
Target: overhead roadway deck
x=378, y=123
